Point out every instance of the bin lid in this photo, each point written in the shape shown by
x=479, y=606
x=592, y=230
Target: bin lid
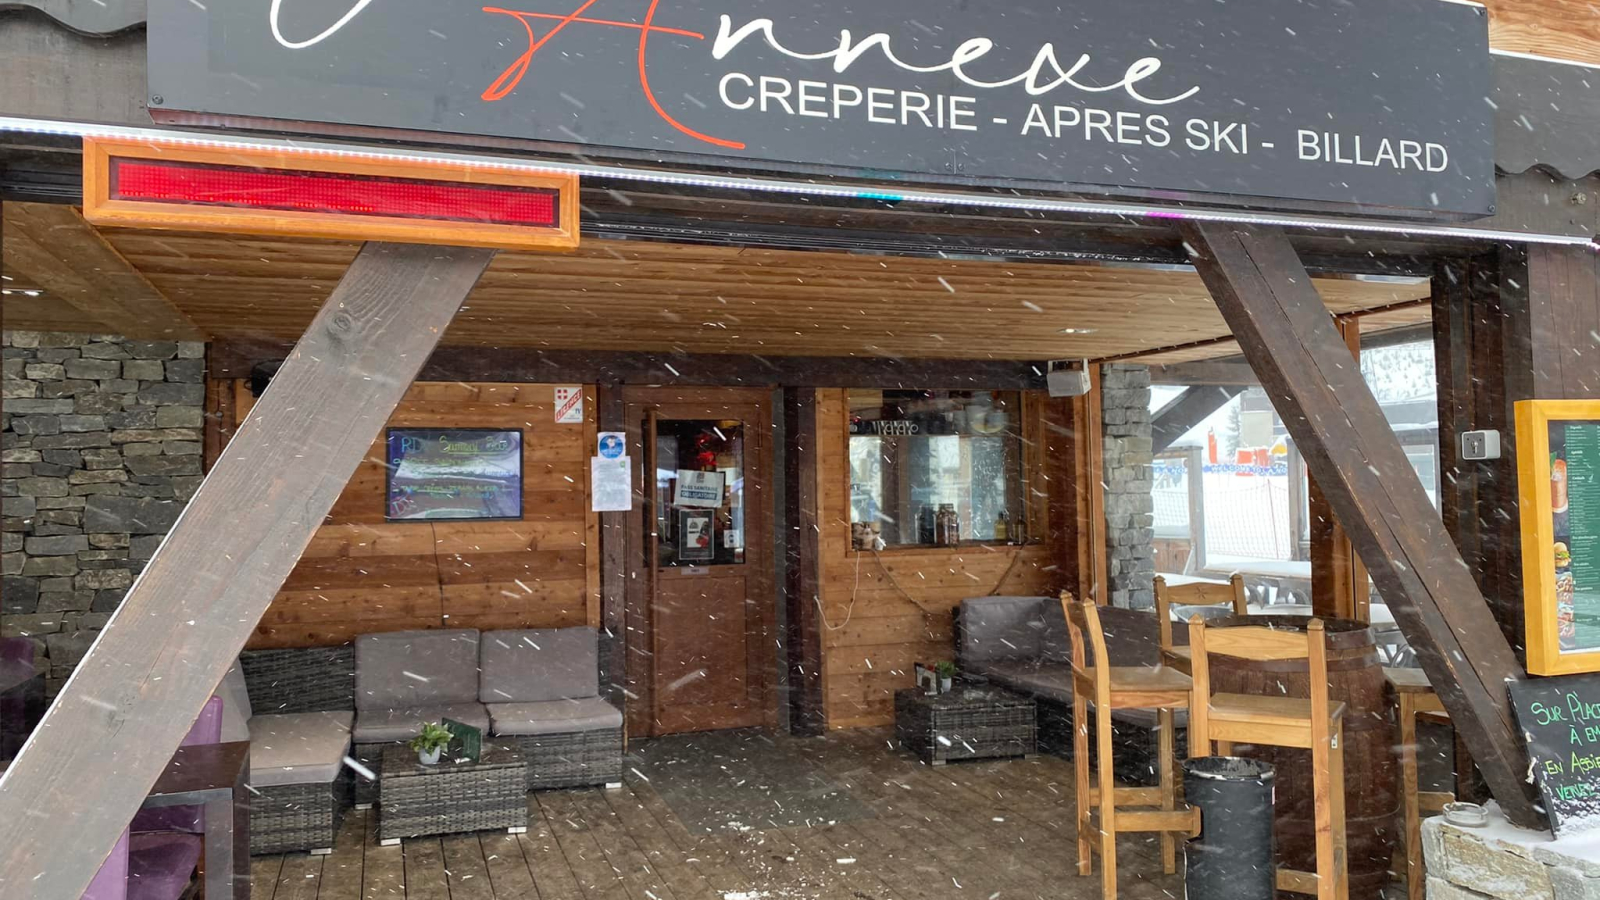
x=1229, y=768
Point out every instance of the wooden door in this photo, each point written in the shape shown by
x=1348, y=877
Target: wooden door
x=701, y=601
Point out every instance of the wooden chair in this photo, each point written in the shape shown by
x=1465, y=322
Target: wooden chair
x=1111, y=687
x=1199, y=593
x=1315, y=724
x=1415, y=697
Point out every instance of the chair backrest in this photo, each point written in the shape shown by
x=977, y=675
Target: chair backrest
x=411, y=669
x=1197, y=593
x=535, y=665
x=1083, y=625
x=1259, y=642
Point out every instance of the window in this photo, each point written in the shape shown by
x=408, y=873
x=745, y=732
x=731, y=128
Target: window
x=915, y=454
x=699, y=493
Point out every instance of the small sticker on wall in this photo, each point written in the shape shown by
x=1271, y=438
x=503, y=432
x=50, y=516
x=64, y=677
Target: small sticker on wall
x=569, y=405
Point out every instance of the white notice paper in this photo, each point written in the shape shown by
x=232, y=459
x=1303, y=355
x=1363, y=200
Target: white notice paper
x=611, y=484
x=702, y=489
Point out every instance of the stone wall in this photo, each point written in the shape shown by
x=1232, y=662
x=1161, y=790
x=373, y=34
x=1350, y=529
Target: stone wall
x=1503, y=862
x=101, y=448
x=1130, y=509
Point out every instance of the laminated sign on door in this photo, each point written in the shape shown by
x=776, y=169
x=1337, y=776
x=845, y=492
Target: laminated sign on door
x=703, y=489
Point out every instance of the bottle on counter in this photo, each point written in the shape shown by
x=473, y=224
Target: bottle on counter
x=1002, y=527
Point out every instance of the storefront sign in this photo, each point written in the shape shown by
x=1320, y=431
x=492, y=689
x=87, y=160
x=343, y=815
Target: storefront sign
x=1560, y=718
x=1558, y=449
x=1379, y=103
x=697, y=489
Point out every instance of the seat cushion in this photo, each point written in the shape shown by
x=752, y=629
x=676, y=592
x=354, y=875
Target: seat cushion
x=160, y=864
x=376, y=726
x=412, y=669
x=995, y=628
x=554, y=716
x=535, y=665
x=299, y=748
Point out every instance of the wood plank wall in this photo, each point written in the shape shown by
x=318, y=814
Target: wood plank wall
x=361, y=574
x=884, y=612
x=1561, y=29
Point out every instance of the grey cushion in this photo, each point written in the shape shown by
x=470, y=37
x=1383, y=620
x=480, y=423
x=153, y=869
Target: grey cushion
x=235, y=705
x=375, y=726
x=298, y=748
x=1000, y=628
x=1055, y=644
x=409, y=669
x=536, y=665
x=554, y=716
x=1052, y=681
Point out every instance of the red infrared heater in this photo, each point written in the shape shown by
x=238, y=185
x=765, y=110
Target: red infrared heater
x=190, y=188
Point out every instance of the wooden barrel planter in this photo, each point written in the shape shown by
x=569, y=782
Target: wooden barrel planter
x=1355, y=677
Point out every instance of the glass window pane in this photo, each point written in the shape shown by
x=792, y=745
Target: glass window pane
x=699, y=498
x=935, y=467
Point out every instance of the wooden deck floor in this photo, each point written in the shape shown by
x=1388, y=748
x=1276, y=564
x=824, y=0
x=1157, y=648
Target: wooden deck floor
x=978, y=830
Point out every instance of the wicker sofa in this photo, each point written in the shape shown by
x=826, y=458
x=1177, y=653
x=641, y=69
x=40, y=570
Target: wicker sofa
x=295, y=709
x=1022, y=643
x=542, y=687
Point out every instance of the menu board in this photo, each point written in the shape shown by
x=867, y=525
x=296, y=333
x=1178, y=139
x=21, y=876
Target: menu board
x=1560, y=719
x=1575, y=526
x=459, y=473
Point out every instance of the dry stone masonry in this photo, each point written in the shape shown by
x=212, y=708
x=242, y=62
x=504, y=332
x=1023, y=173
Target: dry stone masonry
x=1503, y=862
x=1130, y=507
x=101, y=449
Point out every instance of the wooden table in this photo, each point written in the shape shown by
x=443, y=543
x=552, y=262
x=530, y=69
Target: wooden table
x=214, y=776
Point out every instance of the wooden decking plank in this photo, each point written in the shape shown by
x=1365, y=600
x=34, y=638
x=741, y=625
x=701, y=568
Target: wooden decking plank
x=509, y=876
x=383, y=873
x=341, y=870
x=594, y=873
x=465, y=868
x=424, y=870
x=546, y=863
x=709, y=868
x=264, y=876
x=645, y=880
x=843, y=874
x=300, y=878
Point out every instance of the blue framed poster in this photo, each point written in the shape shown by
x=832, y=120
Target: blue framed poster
x=453, y=473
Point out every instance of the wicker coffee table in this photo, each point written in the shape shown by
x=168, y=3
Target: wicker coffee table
x=969, y=722
x=451, y=798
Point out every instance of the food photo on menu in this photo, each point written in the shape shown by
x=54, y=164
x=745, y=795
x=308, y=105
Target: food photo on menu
x=1575, y=514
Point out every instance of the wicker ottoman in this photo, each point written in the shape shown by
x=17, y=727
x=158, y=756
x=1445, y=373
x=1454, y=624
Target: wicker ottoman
x=298, y=816
x=451, y=798
x=967, y=723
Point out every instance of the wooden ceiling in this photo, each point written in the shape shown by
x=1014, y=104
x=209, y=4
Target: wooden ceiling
x=640, y=296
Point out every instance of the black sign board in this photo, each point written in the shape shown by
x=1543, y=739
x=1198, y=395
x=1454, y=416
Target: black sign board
x=1560, y=718
x=1377, y=104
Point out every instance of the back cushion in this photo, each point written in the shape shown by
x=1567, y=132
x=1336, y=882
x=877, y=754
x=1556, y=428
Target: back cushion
x=410, y=669
x=1056, y=642
x=534, y=665
x=235, y=705
x=994, y=628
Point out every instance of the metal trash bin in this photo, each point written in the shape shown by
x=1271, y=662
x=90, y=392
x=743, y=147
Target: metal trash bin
x=1231, y=859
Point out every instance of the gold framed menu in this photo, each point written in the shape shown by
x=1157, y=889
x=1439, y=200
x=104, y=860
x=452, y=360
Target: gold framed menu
x=1558, y=477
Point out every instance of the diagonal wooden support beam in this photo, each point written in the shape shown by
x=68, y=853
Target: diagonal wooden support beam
x=78, y=781
x=1187, y=410
x=1290, y=340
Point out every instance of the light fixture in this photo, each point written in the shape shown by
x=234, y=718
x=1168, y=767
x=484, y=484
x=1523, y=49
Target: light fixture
x=26, y=292
x=1079, y=330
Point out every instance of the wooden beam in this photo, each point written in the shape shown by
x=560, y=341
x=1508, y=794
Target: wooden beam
x=67, y=798
x=803, y=589
x=1338, y=580
x=1086, y=497
x=1232, y=372
x=235, y=359
x=1189, y=409
x=69, y=259
x=1266, y=296
x=612, y=416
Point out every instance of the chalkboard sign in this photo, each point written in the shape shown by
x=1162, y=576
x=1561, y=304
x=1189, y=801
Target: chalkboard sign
x=1560, y=718
x=1558, y=452
x=457, y=473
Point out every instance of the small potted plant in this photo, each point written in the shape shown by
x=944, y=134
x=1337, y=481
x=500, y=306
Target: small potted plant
x=430, y=743
x=947, y=674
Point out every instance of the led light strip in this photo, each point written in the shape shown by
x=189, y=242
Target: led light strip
x=782, y=186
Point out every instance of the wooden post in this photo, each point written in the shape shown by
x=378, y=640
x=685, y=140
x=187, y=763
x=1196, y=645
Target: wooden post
x=1087, y=493
x=803, y=587
x=83, y=774
x=1267, y=298
x=1338, y=580
x=614, y=561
